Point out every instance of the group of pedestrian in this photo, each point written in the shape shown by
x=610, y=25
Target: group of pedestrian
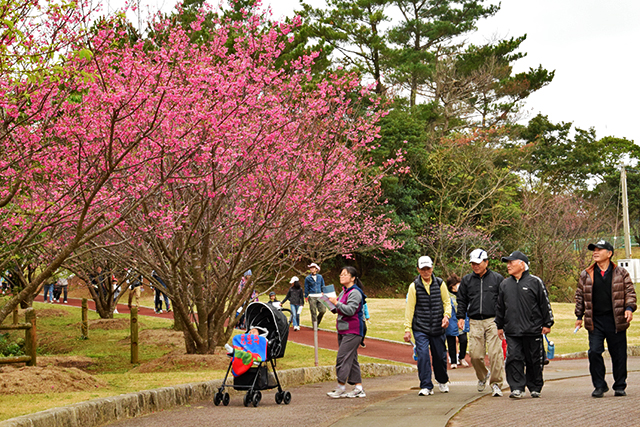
x=515, y=311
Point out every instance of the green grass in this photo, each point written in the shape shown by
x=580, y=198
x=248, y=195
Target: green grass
x=110, y=351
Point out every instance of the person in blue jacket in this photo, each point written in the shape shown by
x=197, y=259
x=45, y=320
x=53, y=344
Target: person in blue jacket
x=452, y=332
x=313, y=284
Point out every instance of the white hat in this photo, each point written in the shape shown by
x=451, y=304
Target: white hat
x=294, y=279
x=477, y=256
x=313, y=264
x=425, y=261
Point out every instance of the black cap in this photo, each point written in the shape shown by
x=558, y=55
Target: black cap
x=602, y=244
x=271, y=293
x=514, y=256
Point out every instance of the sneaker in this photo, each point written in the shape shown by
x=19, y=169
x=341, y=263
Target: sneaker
x=356, y=392
x=620, y=393
x=363, y=345
x=464, y=363
x=483, y=383
x=454, y=366
x=516, y=394
x=66, y=302
x=337, y=393
x=425, y=392
x=443, y=388
x=495, y=391
x=535, y=394
x=169, y=310
x=599, y=392
x=115, y=311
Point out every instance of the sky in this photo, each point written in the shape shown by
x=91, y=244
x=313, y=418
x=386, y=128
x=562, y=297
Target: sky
x=593, y=46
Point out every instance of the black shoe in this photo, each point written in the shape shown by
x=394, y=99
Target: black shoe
x=599, y=392
x=620, y=393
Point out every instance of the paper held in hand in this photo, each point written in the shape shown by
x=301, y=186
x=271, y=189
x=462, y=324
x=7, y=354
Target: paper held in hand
x=325, y=300
x=329, y=291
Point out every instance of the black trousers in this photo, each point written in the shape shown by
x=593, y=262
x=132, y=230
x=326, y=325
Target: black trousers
x=604, y=327
x=525, y=357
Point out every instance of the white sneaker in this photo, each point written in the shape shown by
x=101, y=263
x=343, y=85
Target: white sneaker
x=115, y=311
x=337, y=393
x=483, y=383
x=443, y=388
x=464, y=363
x=425, y=392
x=356, y=393
x=496, y=392
x=454, y=366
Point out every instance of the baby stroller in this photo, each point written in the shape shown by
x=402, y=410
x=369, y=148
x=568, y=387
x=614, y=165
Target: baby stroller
x=252, y=352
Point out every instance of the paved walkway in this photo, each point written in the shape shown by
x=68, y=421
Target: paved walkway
x=393, y=401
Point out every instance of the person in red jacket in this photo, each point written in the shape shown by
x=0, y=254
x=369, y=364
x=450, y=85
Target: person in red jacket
x=605, y=300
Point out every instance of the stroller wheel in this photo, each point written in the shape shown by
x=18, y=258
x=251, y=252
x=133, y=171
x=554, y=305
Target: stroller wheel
x=287, y=398
x=257, y=397
x=279, y=397
x=247, y=398
x=225, y=399
x=217, y=398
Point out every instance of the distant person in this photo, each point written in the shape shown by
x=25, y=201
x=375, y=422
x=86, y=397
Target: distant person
x=350, y=325
x=427, y=314
x=273, y=300
x=454, y=333
x=313, y=284
x=48, y=290
x=64, y=285
x=523, y=315
x=160, y=294
x=605, y=300
x=134, y=280
x=477, y=297
x=367, y=318
x=295, y=296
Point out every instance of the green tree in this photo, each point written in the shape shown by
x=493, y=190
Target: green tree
x=354, y=29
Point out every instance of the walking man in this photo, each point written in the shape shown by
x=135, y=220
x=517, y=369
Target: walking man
x=427, y=314
x=477, y=298
x=606, y=300
x=523, y=315
x=313, y=284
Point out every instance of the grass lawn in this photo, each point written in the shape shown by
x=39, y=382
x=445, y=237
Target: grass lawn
x=109, y=350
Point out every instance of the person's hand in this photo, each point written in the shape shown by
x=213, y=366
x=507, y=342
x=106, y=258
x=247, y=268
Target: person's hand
x=445, y=322
x=407, y=336
x=628, y=315
x=578, y=323
x=461, y=324
x=501, y=334
x=545, y=331
x=333, y=300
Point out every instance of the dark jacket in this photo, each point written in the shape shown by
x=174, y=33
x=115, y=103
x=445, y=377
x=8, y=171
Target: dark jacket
x=623, y=297
x=523, y=307
x=294, y=296
x=477, y=296
x=313, y=286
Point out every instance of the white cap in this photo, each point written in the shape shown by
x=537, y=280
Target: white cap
x=294, y=279
x=313, y=264
x=477, y=256
x=425, y=261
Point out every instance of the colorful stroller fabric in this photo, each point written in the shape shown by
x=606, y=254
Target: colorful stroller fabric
x=247, y=348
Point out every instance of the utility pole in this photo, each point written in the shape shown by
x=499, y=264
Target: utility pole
x=625, y=214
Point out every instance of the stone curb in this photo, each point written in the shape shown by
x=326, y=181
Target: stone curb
x=98, y=412
x=631, y=351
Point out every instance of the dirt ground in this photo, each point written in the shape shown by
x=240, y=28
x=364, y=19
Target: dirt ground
x=67, y=373
x=45, y=379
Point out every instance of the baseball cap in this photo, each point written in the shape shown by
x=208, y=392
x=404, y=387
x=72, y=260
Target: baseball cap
x=478, y=255
x=294, y=279
x=602, y=244
x=425, y=261
x=271, y=293
x=313, y=264
x=514, y=256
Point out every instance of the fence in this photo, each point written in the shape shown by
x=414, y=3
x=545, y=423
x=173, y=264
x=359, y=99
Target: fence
x=30, y=338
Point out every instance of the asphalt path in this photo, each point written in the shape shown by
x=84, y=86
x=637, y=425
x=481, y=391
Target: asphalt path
x=393, y=401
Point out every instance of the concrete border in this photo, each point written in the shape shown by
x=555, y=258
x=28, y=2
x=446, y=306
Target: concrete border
x=98, y=412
